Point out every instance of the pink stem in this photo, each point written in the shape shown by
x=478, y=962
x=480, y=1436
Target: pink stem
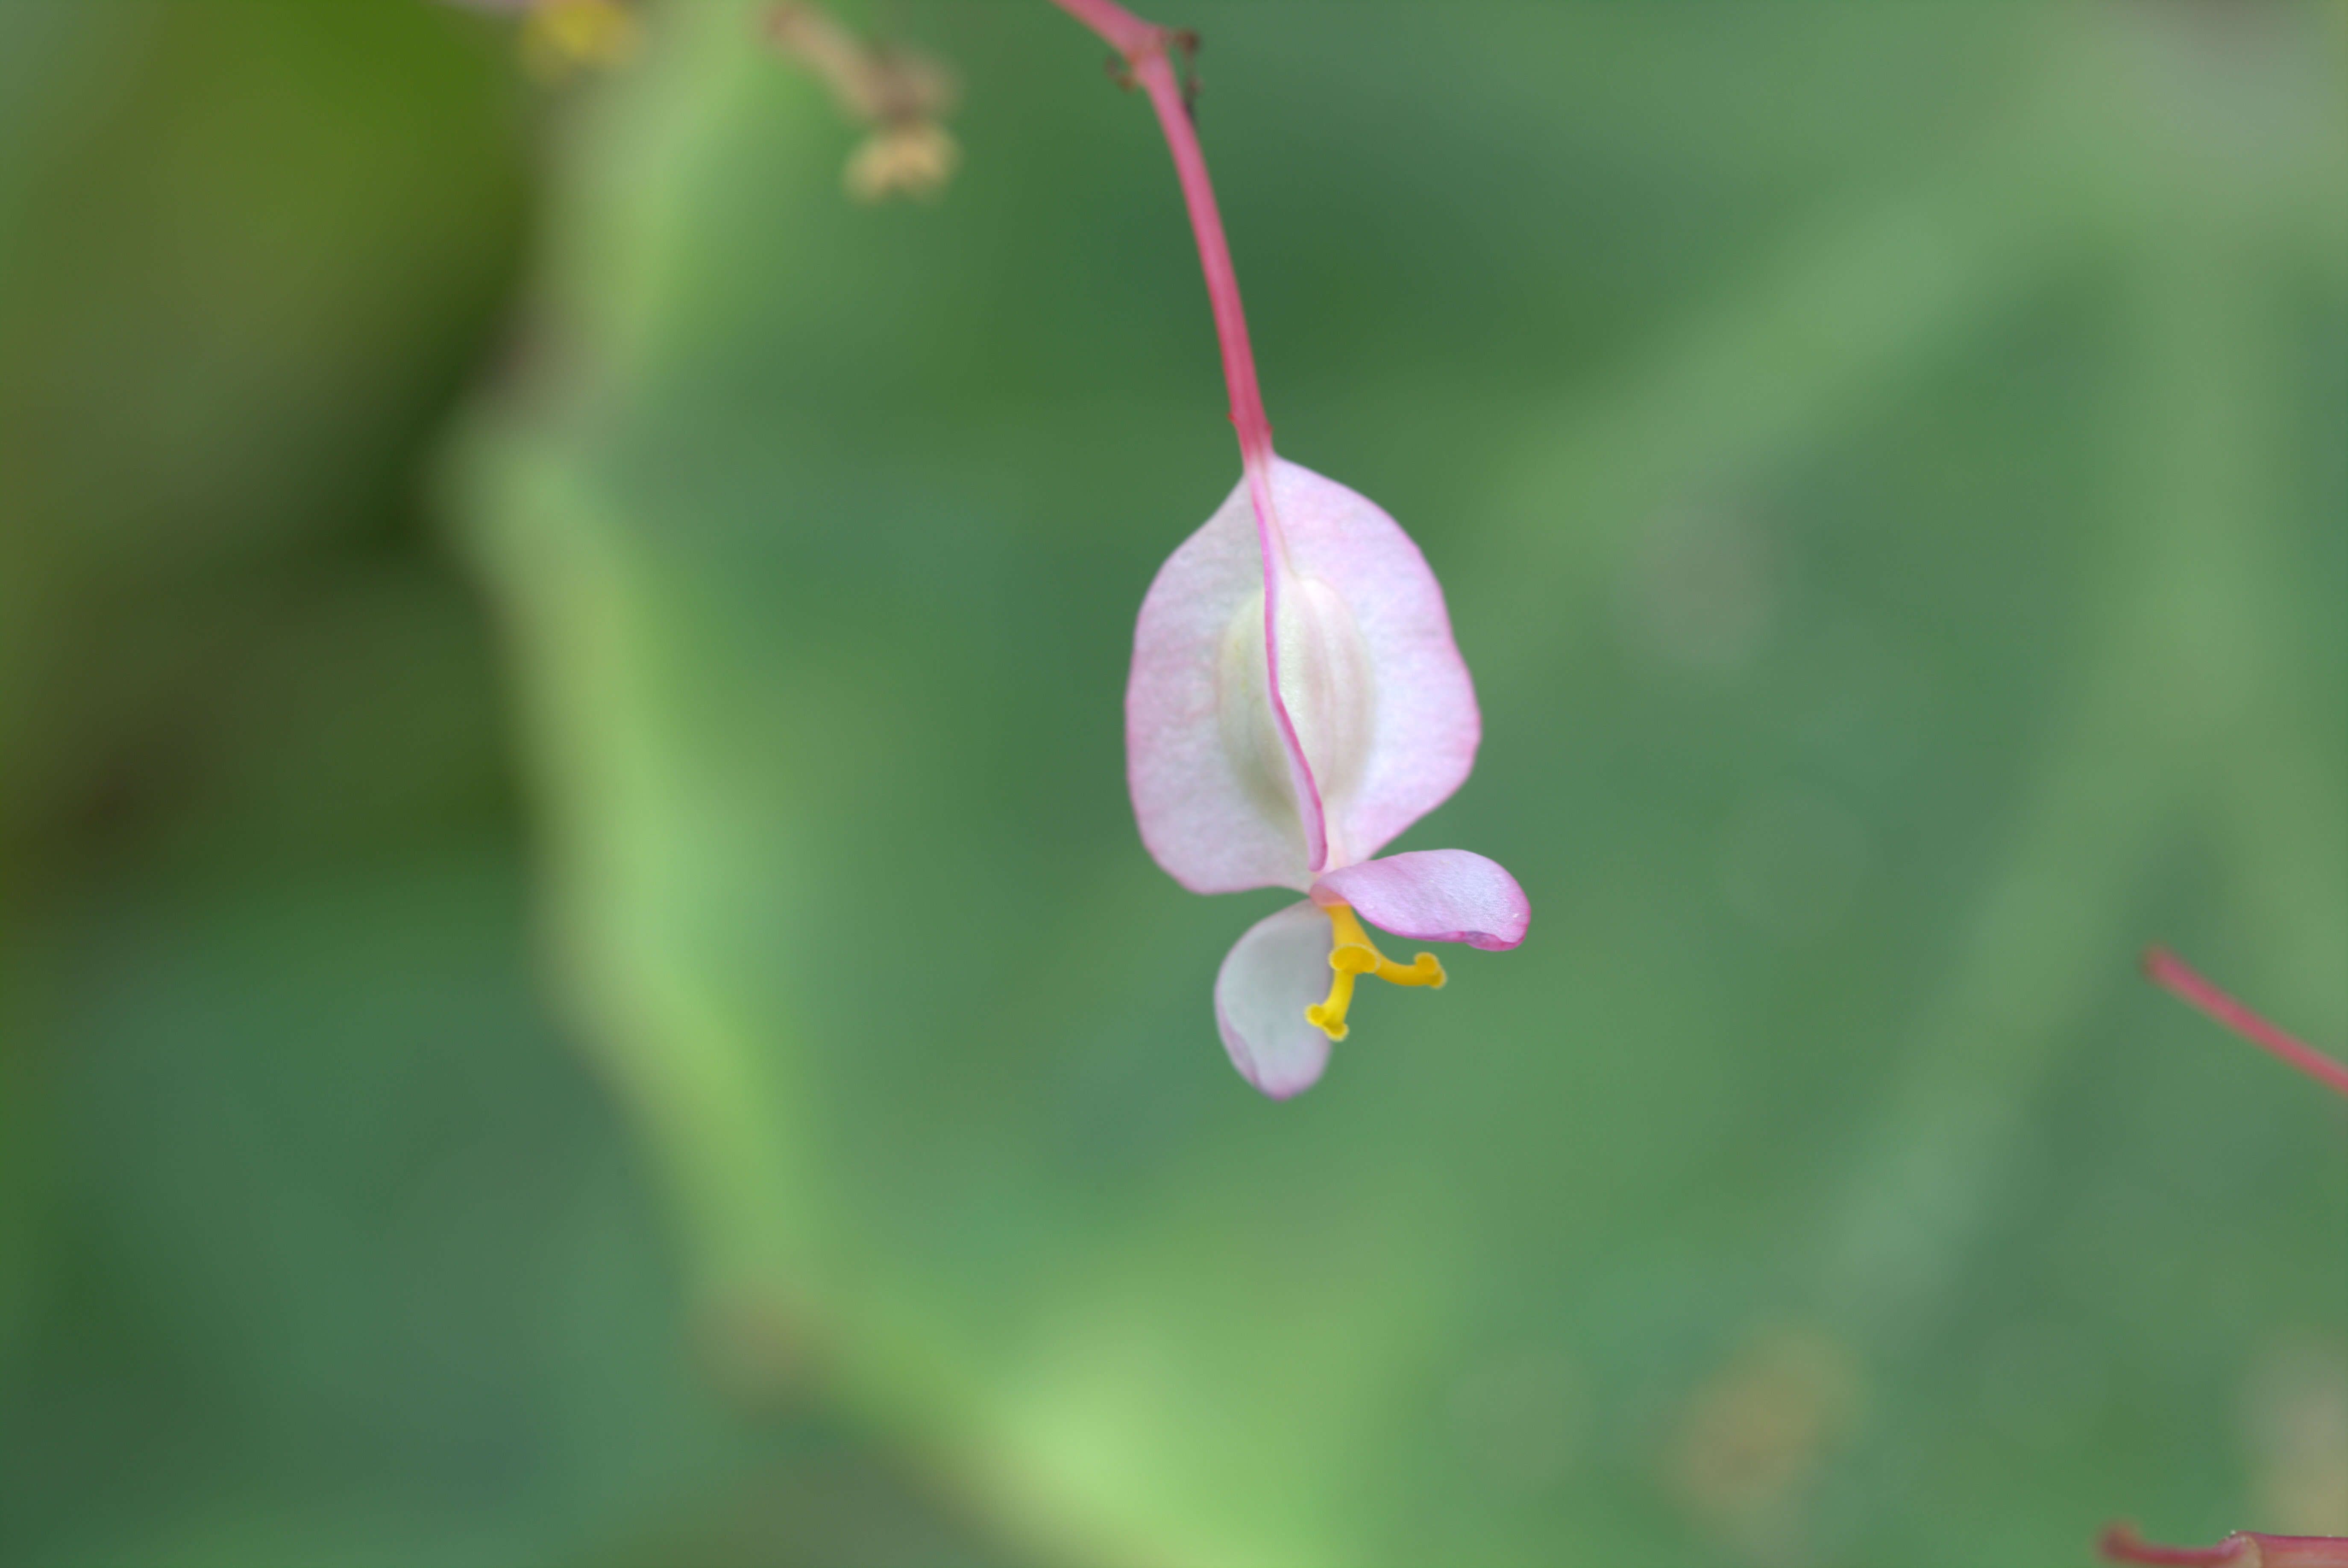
x=2170, y=972
x=2243, y=1549
x=1143, y=46
x=1126, y=32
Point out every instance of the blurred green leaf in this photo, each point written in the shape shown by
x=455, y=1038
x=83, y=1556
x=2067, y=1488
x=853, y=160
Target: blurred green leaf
x=317, y=1243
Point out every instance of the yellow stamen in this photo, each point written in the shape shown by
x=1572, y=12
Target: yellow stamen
x=559, y=36
x=1354, y=954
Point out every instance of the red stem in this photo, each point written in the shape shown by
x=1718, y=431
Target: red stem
x=2243, y=1549
x=1144, y=47
x=2171, y=971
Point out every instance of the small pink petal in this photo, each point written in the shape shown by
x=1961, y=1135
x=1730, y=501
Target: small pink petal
x=1434, y=895
x=1269, y=976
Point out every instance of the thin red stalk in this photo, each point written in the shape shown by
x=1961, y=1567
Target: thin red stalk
x=2171, y=972
x=2243, y=1549
x=1144, y=47
x=1126, y=32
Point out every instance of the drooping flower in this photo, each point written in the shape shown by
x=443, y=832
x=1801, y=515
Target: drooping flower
x=1296, y=698
x=1296, y=701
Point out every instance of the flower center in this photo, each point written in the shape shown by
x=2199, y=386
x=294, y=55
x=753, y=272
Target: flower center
x=1326, y=685
x=1356, y=955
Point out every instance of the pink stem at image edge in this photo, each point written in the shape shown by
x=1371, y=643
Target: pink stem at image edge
x=2172, y=974
x=1143, y=45
x=2243, y=1549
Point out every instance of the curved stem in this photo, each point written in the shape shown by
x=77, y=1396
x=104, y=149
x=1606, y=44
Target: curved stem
x=1144, y=45
x=2172, y=974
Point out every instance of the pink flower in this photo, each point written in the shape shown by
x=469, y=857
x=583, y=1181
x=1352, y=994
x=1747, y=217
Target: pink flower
x=1296, y=701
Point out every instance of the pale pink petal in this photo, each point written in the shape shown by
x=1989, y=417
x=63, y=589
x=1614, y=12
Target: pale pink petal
x=1213, y=797
x=1434, y=895
x=1372, y=690
x=1269, y=976
x=1424, y=727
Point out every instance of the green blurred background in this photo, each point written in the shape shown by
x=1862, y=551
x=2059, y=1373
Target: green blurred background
x=579, y=987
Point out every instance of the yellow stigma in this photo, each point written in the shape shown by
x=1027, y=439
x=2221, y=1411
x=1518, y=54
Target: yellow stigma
x=559, y=36
x=1354, y=955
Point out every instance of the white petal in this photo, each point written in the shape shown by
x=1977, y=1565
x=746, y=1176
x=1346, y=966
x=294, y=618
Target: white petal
x=1269, y=976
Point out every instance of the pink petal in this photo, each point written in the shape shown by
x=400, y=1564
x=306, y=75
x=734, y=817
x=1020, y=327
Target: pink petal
x=1434, y=895
x=1215, y=824
x=1269, y=976
x=1423, y=741
x=1372, y=686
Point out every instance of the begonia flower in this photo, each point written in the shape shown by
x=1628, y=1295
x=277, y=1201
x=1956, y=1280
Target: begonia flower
x=1296, y=701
